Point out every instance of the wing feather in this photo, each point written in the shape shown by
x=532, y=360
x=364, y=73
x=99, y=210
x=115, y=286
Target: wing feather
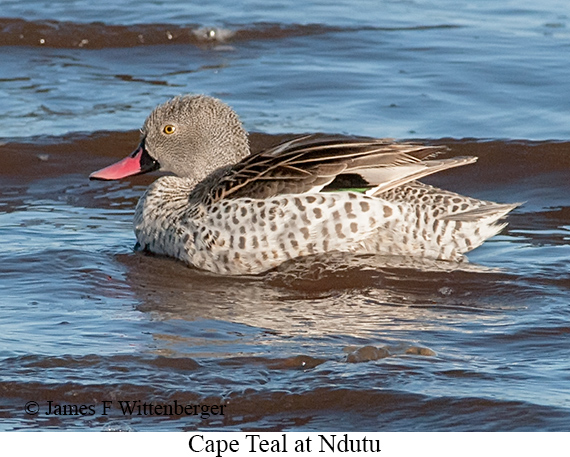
x=311, y=162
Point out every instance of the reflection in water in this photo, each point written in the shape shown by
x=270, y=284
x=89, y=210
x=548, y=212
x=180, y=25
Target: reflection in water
x=344, y=303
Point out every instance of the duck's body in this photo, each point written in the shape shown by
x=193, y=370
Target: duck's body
x=231, y=212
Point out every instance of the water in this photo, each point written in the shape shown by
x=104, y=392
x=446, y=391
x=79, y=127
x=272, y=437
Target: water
x=86, y=320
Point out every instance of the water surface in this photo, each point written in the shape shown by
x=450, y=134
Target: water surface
x=352, y=344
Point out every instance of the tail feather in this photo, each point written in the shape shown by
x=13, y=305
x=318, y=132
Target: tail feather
x=442, y=224
x=488, y=212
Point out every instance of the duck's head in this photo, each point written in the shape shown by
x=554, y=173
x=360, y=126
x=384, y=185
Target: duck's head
x=190, y=136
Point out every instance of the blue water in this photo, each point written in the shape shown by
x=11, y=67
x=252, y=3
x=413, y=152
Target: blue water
x=86, y=319
x=401, y=69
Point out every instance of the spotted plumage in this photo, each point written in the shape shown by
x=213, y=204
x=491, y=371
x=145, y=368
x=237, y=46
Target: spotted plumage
x=232, y=212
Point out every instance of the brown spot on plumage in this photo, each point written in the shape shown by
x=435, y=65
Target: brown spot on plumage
x=272, y=212
x=365, y=206
x=387, y=211
x=311, y=199
x=353, y=227
x=318, y=212
x=338, y=229
x=305, y=232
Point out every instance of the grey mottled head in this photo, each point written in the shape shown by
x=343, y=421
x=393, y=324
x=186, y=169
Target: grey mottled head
x=193, y=135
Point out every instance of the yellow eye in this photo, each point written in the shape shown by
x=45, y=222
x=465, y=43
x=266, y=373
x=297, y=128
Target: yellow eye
x=169, y=129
